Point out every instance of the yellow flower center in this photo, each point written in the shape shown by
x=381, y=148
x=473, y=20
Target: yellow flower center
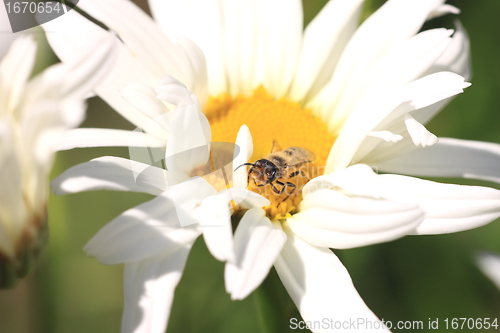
x=283, y=121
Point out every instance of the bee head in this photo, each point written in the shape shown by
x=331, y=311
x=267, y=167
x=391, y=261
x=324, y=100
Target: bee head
x=264, y=171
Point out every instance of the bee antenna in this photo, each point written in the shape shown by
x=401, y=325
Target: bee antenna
x=243, y=165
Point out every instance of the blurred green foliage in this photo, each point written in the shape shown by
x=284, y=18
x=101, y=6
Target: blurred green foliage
x=414, y=278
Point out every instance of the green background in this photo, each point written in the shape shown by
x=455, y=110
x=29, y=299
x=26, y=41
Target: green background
x=414, y=278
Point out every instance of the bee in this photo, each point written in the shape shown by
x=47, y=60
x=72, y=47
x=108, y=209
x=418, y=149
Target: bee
x=278, y=167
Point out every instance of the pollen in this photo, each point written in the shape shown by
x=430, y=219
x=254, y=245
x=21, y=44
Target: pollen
x=268, y=119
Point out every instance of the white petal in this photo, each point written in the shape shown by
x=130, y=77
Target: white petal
x=156, y=51
x=105, y=137
x=379, y=111
x=321, y=287
x=149, y=287
x=111, y=173
x=87, y=71
x=7, y=38
x=71, y=34
x=373, y=39
x=456, y=58
x=448, y=207
x=152, y=228
x=215, y=222
x=278, y=35
x=328, y=218
x=174, y=92
x=15, y=70
x=406, y=62
x=188, y=142
x=144, y=99
x=358, y=179
x=443, y=10
x=449, y=158
x=419, y=134
x=489, y=264
x=245, y=144
x=13, y=210
x=257, y=243
x=386, y=136
x=185, y=18
x=247, y=199
x=324, y=40
x=240, y=44
x=199, y=82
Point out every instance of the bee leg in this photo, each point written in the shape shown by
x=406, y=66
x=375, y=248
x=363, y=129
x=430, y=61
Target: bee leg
x=279, y=192
x=292, y=185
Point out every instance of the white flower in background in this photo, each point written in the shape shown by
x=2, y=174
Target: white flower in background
x=489, y=263
x=357, y=97
x=34, y=114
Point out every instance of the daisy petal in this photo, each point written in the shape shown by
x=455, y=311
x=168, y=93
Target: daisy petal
x=149, y=287
x=358, y=179
x=71, y=35
x=240, y=44
x=188, y=142
x=185, y=18
x=449, y=158
x=105, y=137
x=443, y=10
x=279, y=39
x=305, y=270
x=247, y=199
x=144, y=99
x=245, y=143
x=111, y=173
x=324, y=40
x=406, y=62
x=216, y=225
x=157, y=223
x=155, y=50
x=379, y=111
x=257, y=244
x=7, y=38
x=489, y=264
x=328, y=218
x=371, y=41
x=456, y=58
x=386, y=136
x=15, y=70
x=448, y=207
x=418, y=133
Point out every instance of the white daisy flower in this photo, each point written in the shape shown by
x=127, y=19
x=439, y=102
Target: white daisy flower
x=356, y=97
x=34, y=115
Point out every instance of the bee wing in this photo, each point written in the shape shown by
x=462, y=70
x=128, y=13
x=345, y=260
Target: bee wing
x=301, y=155
x=276, y=147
